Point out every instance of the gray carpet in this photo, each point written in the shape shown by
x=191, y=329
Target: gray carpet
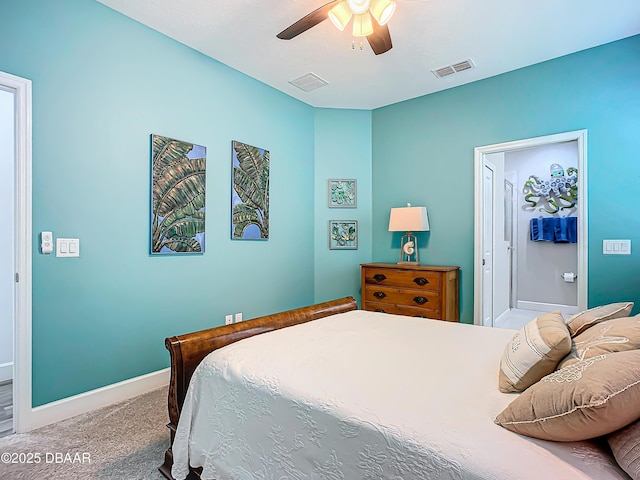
x=125, y=441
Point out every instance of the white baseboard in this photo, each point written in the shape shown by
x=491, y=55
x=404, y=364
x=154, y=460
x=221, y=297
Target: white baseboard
x=98, y=398
x=548, y=307
x=6, y=371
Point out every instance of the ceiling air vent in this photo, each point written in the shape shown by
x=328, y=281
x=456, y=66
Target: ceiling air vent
x=308, y=82
x=453, y=68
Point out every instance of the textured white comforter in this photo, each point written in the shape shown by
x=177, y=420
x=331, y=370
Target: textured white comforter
x=364, y=395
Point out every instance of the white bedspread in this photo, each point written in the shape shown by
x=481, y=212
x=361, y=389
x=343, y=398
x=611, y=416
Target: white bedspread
x=364, y=395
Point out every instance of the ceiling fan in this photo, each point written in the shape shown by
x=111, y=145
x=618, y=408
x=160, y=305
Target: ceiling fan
x=370, y=19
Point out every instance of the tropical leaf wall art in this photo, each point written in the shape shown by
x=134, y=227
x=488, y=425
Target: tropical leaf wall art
x=178, y=196
x=250, y=192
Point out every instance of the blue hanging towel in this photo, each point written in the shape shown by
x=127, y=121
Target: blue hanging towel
x=566, y=230
x=542, y=229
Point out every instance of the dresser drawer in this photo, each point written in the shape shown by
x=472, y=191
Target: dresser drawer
x=425, y=299
x=403, y=278
x=403, y=310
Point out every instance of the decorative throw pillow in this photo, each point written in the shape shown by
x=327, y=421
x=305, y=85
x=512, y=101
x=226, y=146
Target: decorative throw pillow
x=585, y=400
x=615, y=335
x=581, y=321
x=533, y=352
x=625, y=445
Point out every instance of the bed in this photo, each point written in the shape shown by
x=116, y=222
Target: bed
x=294, y=403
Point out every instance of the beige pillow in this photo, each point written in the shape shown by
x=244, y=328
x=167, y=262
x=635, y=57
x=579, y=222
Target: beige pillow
x=585, y=400
x=581, y=321
x=615, y=335
x=533, y=352
x=625, y=445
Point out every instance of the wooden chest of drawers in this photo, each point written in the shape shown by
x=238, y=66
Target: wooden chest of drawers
x=414, y=290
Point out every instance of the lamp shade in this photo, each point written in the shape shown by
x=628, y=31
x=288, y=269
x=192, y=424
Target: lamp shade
x=408, y=219
x=362, y=25
x=382, y=10
x=340, y=15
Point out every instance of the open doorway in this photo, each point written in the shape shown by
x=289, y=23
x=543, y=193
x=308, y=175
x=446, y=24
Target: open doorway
x=7, y=307
x=15, y=268
x=516, y=277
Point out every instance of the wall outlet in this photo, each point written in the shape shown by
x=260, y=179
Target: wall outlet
x=238, y=317
x=228, y=319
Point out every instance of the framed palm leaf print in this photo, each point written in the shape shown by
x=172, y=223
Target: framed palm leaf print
x=249, y=192
x=178, y=196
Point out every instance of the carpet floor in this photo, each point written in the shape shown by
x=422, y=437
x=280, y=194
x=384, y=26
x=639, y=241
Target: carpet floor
x=124, y=441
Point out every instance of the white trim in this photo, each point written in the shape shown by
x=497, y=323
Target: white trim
x=547, y=307
x=583, y=248
x=6, y=371
x=22, y=331
x=85, y=402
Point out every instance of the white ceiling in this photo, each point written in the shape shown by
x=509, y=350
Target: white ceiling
x=498, y=35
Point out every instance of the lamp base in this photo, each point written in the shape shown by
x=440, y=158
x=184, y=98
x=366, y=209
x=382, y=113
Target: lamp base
x=408, y=250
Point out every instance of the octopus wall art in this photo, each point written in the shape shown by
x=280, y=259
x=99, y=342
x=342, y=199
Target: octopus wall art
x=560, y=192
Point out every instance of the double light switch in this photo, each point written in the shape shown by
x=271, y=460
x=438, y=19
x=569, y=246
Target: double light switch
x=67, y=247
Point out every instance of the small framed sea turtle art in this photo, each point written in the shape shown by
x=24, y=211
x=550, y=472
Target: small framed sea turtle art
x=342, y=193
x=177, y=196
x=249, y=192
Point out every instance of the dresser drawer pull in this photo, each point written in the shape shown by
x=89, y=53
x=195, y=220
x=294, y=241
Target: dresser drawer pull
x=379, y=294
x=378, y=277
x=420, y=300
x=380, y=310
x=421, y=281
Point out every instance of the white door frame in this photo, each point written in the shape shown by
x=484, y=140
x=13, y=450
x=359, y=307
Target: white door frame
x=580, y=136
x=22, y=404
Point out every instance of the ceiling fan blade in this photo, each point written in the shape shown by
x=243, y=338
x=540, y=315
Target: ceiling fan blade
x=380, y=39
x=308, y=21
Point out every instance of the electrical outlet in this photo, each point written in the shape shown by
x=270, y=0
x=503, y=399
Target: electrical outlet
x=228, y=319
x=238, y=317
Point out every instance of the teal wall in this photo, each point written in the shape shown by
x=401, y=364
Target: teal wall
x=342, y=150
x=423, y=153
x=102, y=84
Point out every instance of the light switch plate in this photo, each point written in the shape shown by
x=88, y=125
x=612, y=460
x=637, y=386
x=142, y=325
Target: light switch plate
x=616, y=247
x=67, y=247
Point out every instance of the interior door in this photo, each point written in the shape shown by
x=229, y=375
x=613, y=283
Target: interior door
x=487, y=245
x=510, y=232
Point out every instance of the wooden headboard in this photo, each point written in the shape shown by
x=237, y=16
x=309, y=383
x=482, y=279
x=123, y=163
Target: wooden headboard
x=188, y=350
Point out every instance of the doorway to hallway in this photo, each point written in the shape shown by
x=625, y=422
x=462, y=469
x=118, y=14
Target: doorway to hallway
x=15, y=267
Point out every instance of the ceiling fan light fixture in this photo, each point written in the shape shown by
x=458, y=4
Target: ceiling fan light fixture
x=382, y=10
x=359, y=7
x=362, y=25
x=340, y=15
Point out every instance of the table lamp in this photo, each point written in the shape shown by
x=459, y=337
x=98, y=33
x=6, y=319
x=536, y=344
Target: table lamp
x=409, y=219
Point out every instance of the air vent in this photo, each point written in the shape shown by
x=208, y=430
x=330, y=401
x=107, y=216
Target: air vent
x=453, y=68
x=308, y=82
